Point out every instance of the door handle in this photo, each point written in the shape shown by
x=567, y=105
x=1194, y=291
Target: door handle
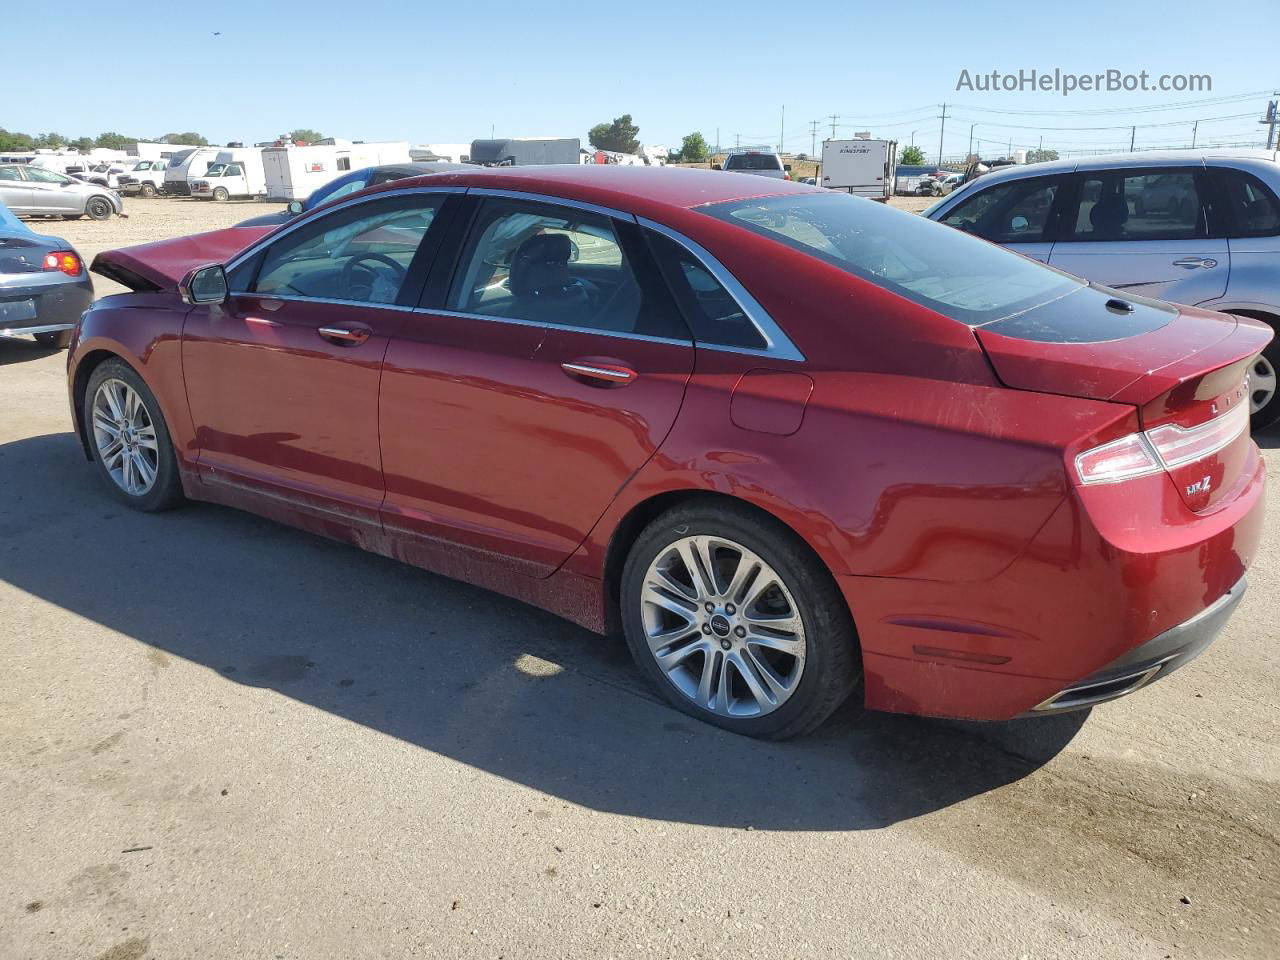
x=600, y=374
x=345, y=336
x=1192, y=262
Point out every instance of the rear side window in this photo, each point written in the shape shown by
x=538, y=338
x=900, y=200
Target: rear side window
x=1140, y=205
x=1013, y=212
x=752, y=161
x=1252, y=209
x=712, y=313
x=945, y=270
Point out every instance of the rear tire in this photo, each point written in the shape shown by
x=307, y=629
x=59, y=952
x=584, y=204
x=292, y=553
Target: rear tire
x=1264, y=386
x=147, y=190
x=146, y=435
x=55, y=340
x=711, y=629
x=98, y=208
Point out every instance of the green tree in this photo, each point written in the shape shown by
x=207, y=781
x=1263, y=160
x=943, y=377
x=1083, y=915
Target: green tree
x=113, y=141
x=189, y=138
x=621, y=136
x=911, y=156
x=54, y=141
x=14, y=141
x=305, y=135
x=83, y=144
x=1039, y=156
x=694, y=149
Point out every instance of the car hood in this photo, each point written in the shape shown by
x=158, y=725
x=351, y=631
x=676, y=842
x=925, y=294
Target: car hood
x=150, y=267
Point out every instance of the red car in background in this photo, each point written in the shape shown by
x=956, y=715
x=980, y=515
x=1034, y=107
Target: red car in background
x=787, y=440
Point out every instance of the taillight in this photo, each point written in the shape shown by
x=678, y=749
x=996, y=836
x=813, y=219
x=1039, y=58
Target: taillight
x=63, y=260
x=1163, y=448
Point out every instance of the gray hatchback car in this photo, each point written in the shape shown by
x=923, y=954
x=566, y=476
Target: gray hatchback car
x=1198, y=227
x=31, y=191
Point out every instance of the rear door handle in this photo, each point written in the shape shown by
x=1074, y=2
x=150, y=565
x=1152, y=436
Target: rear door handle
x=1192, y=262
x=600, y=374
x=345, y=336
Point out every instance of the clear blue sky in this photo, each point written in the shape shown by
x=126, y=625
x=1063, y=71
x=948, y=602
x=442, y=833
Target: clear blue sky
x=447, y=72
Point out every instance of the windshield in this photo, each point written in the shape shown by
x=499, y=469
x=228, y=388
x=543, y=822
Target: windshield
x=215, y=169
x=753, y=161
x=945, y=270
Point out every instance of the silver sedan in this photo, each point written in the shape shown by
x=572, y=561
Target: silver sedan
x=31, y=191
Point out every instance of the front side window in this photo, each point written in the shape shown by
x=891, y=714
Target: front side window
x=1253, y=209
x=945, y=270
x=1131, y=205
x=232, y=170
x=41, y=175
x=1013, y=212
x=551, y=264
x=361, y=253
x=9, y=173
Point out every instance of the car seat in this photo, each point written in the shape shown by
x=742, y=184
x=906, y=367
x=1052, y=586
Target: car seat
x=1109, y=216
x=541, y=285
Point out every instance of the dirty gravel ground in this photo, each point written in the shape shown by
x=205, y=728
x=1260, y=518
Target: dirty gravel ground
x=223, y=738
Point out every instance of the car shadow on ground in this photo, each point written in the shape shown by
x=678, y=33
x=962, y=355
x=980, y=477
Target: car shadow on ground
x=462, y=672
x=15, y=350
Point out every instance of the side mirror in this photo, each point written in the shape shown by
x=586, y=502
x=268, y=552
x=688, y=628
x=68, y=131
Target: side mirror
x=786, y=168
x=294, y=208
x=207, y=284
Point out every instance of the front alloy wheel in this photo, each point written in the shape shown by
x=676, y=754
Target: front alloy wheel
x=125, y=437
x=723, y=627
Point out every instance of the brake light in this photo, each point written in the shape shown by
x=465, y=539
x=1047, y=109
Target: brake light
x=1163, y=448
x=64, y=260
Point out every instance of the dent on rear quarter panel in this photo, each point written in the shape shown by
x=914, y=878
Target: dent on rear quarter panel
x=144, y=330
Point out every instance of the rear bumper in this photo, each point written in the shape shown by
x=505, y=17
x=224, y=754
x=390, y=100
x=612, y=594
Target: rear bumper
x=43, y=308
x=1148, y=662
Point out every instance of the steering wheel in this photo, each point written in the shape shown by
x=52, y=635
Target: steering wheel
x=347, y=280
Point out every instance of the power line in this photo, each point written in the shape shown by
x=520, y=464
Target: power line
x=1122, y=126
x=1095, y=111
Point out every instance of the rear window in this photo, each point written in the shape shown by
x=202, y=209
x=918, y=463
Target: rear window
x=943, y=269
x=752, y=161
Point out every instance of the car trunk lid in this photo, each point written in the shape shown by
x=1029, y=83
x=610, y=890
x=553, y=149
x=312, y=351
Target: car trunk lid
x=1183, y=369
x=22, y=254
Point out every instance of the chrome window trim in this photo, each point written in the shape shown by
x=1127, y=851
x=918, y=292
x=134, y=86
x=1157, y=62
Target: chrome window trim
x=517, y=321
x=303, y=219
x=550, y=201
x=778, y=344
x=333, y=301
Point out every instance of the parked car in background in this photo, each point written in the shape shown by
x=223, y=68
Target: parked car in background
x=940, y=186
x=849, y=446
x=44, y=285
x=146, y=179
x=106, y=174
x=237, y=173
x=32, y=191
x=1199, y=227
x=761, y=163
x=351, y=183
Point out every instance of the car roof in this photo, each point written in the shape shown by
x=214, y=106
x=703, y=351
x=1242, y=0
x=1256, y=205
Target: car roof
x=619, y=187
x=1145, y=158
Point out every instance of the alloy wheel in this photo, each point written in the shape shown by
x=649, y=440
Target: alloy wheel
x=1263, y=383
x=723, y=627
x=125, y=436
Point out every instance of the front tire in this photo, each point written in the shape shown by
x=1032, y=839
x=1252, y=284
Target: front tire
x=737, y=622
x=132, y=450
x=220, y=194
x=147, y=190
x=98, y=208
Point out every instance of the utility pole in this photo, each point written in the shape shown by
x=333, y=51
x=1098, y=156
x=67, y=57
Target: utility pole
x=782, y=131
x=1133, y=133
x=1195, y=126
x=970, y=153
x=737, y=140
x=942, y=133
x=834, y=118
x=813, y=137
x=717, y=139
x=1270, y=120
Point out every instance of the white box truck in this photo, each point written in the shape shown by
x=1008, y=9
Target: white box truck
x=293, y=172
x=238, y=172
x=185, y=166
x=865, y=168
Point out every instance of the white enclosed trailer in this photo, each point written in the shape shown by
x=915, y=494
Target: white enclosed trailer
x=865, y=168
x=237, y=172
x=293, y=172
x=187, y=165
x=522, y=151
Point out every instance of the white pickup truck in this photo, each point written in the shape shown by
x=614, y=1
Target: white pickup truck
x=144, y=180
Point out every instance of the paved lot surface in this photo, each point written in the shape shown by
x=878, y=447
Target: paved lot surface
x=223, y=738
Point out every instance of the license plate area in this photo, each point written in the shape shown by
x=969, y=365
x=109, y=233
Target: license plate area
x=17, y=311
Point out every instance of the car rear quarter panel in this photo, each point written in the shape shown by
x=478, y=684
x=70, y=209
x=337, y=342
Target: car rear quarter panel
x=145, y=331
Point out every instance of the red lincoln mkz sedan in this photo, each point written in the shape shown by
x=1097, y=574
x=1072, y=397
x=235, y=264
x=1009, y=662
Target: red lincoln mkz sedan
x=787, y=440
